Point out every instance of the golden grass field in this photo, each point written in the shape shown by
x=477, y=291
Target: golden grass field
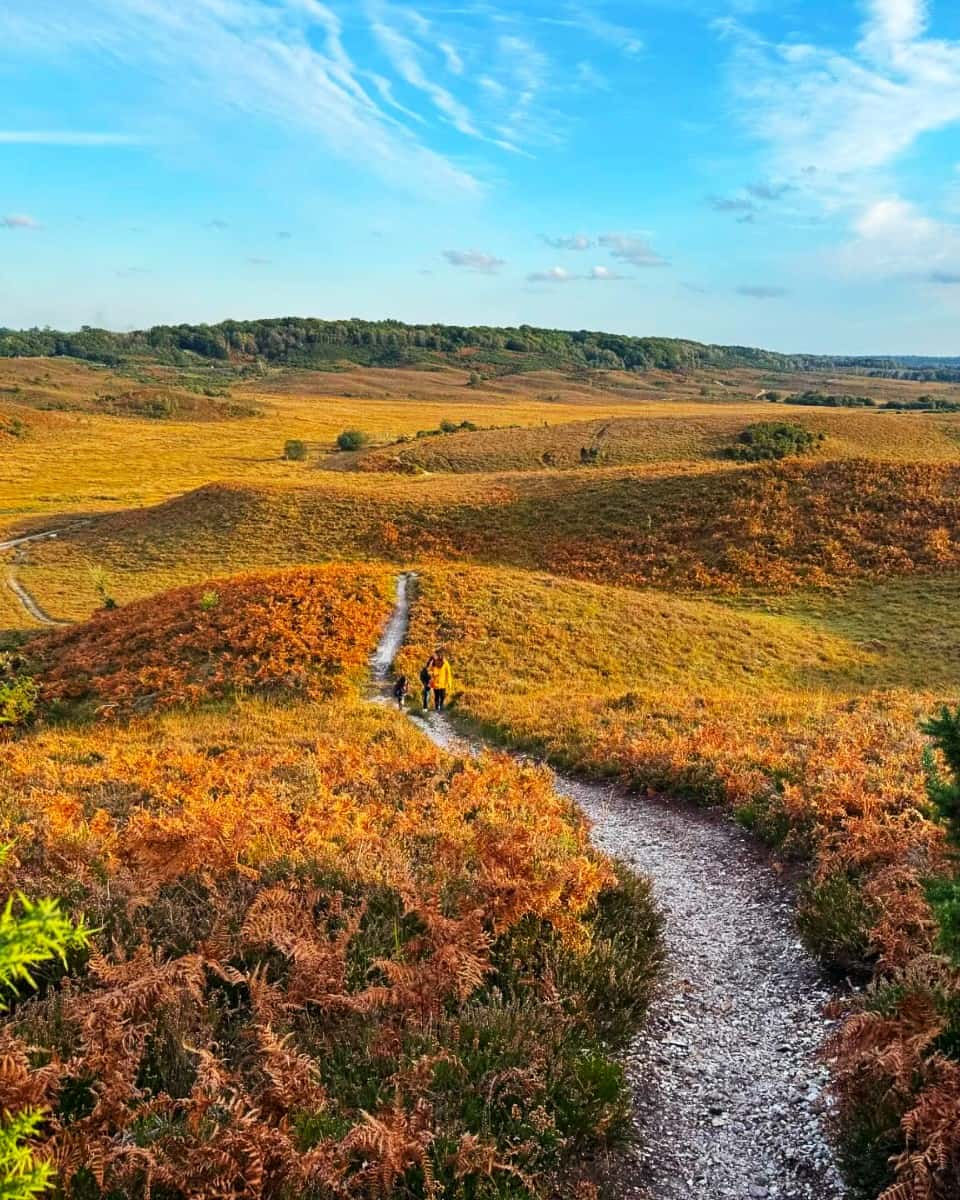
x=119, y=462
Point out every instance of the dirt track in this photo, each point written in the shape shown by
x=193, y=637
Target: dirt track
x=729, y=1088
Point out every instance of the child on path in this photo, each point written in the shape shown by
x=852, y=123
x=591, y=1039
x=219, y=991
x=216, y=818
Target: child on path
x=425, y=682
x=400, y=691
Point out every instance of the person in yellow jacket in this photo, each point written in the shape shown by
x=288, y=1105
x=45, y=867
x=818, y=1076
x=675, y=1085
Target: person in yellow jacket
x=441, y=679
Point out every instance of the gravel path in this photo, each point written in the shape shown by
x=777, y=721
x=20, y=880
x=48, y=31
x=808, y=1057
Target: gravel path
x=29, y=603
x=728, y=1088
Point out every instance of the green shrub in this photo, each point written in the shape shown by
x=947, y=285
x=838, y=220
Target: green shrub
x=18, y=693
x=769, y=440
x=209, y=600
x=448, y=426
x=835, y=921
x=294, y=450
x=352, y=439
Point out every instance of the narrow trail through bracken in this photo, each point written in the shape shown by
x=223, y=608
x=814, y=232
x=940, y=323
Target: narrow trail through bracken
x=729, y=1086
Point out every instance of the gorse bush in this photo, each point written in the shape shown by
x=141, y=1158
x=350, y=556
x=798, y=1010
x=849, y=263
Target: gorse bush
x=295, y=450
x=352, y=439
x=828, y=400
x=18, y=692
x=771, y=440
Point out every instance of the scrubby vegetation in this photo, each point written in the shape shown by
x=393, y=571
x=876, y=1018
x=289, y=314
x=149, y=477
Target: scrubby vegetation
x=352, y=439
x=767, y=441
x=328, y=958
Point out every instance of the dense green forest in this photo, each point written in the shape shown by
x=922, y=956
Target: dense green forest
x=307, y=342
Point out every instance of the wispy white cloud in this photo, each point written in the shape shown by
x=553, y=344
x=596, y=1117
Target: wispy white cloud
x=474, y=260
x=40, y=137
x=551, y=275
x=19, y=221
x=573, y=241
x=636, y=251
x=285, y=64
x=562, y=275
x=407, y=59
x=590, y=19
x=847, y=114
x=892, y=238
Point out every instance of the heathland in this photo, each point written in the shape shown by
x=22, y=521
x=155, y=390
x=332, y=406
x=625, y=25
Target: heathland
x=331, y=959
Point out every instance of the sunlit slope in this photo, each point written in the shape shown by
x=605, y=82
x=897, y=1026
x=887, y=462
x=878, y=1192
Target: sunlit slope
x=724, y=529
x=667, y=433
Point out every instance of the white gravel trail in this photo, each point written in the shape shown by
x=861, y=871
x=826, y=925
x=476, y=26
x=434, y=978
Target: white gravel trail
x=30, y=605
x=729, y=1088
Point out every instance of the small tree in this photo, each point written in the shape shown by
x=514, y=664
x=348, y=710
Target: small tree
x=294, y=450
x=101, y=585
x=447, y=426
x=475, y=380
x=352, y=439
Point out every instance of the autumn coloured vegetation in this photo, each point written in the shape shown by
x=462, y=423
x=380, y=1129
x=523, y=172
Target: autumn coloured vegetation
x=832, y=772
x=327, y=959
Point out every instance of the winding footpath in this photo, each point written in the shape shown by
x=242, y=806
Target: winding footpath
x=729, y=1088
x=30, y=605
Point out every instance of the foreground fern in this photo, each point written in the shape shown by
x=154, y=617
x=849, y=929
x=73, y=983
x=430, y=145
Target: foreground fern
x=31, y=933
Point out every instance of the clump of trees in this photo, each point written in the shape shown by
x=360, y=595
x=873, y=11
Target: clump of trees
x=826, y=400
x=924, y=404
x=769, y=440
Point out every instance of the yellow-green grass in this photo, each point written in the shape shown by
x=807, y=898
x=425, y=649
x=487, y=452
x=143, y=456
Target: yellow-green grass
x=81, y=461
x=723, y=528
x=664, y=433
x=906, y=632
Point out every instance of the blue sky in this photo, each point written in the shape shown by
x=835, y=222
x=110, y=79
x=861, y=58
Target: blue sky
x=764, y=172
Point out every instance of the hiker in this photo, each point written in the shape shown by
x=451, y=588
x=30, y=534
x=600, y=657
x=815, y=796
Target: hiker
x=441, y=679
x=401, y=691
x=425, y=681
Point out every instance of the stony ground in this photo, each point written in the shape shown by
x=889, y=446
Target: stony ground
x=728, y=1081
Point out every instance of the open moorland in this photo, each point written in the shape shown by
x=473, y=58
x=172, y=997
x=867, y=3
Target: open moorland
x=322, y=955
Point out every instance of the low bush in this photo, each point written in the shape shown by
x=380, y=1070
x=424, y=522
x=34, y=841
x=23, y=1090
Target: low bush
x=18, y=692
x=352, y=439
x=295, y=450
x=770, y=440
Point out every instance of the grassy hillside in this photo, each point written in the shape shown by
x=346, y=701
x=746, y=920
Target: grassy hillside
x=680, y=434
x=723, y=529
x=789, y=727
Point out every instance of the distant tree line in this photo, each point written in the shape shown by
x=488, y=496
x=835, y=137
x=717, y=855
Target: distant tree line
x=308, y=342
